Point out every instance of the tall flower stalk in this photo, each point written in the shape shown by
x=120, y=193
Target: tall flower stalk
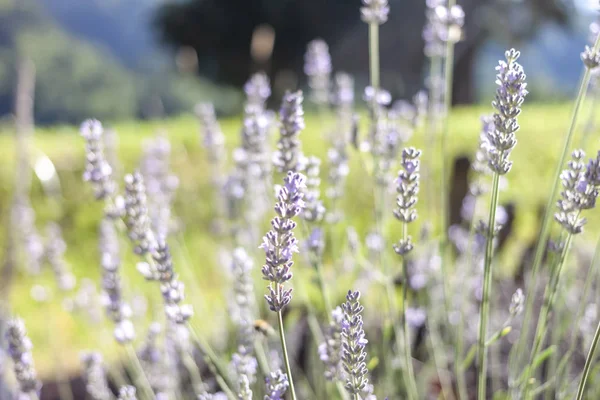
x=591, y=62
x=407, y=186
x=279, y=245
x=501, y=138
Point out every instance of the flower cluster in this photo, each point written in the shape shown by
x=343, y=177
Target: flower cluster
x=55, y=250
x=279, y=243
x=95, y=377
x=288, y=156
x=152, y=359
x=23, y=220
x=317, y=66
x=116, y=308
x=136, y=214
x=581, y=184
x=375, y=11
x=19, y=348
x=314, y=211
x=443, y=25
x=353, y=344
x=276, y=385
x=517, y=303
x=258, y=90
x=254, y=153
x=510, y=95
x=330, y=351
x=97, y=169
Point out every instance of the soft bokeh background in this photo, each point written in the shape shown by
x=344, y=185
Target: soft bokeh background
x=142, y=65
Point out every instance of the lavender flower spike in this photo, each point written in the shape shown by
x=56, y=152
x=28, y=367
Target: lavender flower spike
x=375, y=11
x=97, y=169
x=581, y=184
x=277, y=384
x=317, y=66
x=330, y=351
x=19, y=349
x=95, y=377
x=288, y=156
x=117, y=310
x=510, y=95
x=408, y=190
x=279, y=243
x=136, y=218
x=353, y=344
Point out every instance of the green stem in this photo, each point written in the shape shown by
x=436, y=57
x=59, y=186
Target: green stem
x=410, y=374
x=549, y=294
x=487, y=283
x=545, y=228
x=140, y=378
x=588, y=364
x=374, y=54
x=460, y=329
x=286, y=358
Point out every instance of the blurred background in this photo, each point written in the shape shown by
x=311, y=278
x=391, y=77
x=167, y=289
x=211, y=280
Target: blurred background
x=123, y=59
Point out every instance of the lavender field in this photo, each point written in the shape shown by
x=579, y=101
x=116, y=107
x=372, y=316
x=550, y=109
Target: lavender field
x=338, y=246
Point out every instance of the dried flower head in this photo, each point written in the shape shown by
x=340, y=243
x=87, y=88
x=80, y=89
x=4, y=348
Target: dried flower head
x=136, y=214
x=407, y=185
x=517, y=303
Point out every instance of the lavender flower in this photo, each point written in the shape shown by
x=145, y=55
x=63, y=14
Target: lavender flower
x=55, y=250
x=375, y=11
x=510, y=95
x=581, y=185
x=517, y=303
x=330, y=351
x=288, y=156
x=127, y=393
x=212, y=136
x=160, y=184
x=279, y=243
x=19, y=348
x=314, y=210
x=245, y=393
x=136, y=214
x=590, y=58
x=315, y=242
x=153, y=361
x=172, y=289
x=317, y=66
x=353, y=344
x=258, y=90
x=95, y=377
x=97, y=170
x=118, y=311
x=276, y=385
x=255, y=146
x=243, y=286
x=407, y=187
x=23, y=219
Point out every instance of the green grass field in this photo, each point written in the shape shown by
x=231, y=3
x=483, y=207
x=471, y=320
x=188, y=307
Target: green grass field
x=58, y=336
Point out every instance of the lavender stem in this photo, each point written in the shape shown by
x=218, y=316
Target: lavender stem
x=286, y=358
